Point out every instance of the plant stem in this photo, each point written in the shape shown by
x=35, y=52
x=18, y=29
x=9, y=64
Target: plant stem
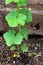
x=18, y=14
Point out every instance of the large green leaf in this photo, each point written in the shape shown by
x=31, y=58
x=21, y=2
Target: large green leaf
x=24, y=47
x=24, y=31
x=18, y=39
x=11, y=19
x=9, y=37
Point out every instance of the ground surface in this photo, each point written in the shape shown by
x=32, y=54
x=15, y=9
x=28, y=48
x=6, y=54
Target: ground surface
x=6, y=57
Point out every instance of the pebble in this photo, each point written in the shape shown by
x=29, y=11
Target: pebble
x=13, y=62
x=3, y=45
x=35, y=48
x=40, y=54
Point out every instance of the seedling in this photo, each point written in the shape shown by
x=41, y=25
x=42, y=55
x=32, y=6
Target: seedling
x=33, y=53
x=37, y=45
x=17, y=18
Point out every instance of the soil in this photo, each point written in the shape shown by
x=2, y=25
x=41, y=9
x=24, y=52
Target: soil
x=35, y=44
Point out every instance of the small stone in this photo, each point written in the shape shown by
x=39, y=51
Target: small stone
x=35, y=48
x=14, y=62
x=3, y=45
x=40, y=53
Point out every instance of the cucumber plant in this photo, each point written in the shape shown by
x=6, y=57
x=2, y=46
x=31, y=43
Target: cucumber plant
x=17, y=18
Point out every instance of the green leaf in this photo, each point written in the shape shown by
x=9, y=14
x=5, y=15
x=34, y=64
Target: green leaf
x=27, y=13
x=22, y=16
x=29, y=17
x=21, y=22
x=33, y=53
x=24, y=47
x=11, y=18
x=22, y=3
x=8, y=1
x=24, y=31
x=21, y=19
x=12, y=48
x=23, y=11
x=18, y=39
x=15, y=1
x=9, y=37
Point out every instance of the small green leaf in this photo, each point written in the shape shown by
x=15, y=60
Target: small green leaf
x=11, y=18
x=24, y=47
x=22, y=3
x=22, y=16
x=21, y=22
x=29, y=16
x=23, y=11
x=27, y=13
x=8, y=1
x=21, y=19
x=33, y=53
x=12, y=48
x=18, y=39
x=15, y=1
x=9, y=37
x=24, y=32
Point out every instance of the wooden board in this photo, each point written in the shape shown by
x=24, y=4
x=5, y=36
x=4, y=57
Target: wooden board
x=37, y=12
x=37, y=19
